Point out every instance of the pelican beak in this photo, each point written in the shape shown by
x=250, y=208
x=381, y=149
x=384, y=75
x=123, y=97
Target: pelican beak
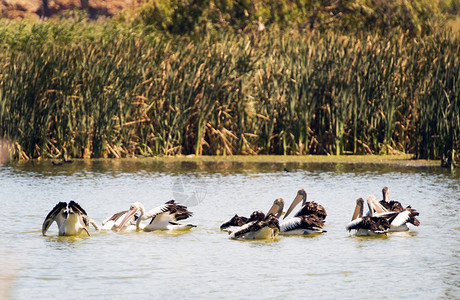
x=127, y=218
x=277, y=208
x=358, y=209
x=374, y=205
x=386, y=195
x=296, y=201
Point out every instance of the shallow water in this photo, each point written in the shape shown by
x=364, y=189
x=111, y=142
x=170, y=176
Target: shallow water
x=203, y=262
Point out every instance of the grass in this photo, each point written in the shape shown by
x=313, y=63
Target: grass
x=97, y=91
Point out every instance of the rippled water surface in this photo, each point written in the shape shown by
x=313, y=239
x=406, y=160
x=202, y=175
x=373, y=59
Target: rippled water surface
x=203, y=263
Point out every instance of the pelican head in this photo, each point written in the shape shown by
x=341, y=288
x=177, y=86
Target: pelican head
x=301, y=196
x=277, y=207
x=133, y=209
x=386, y=195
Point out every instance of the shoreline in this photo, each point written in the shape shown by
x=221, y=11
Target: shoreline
x=403, y=159
x=400, y=159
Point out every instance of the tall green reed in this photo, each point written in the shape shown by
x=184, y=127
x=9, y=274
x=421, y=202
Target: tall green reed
x=101, y=92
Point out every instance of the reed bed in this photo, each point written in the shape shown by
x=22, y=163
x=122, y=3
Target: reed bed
x=117, y=93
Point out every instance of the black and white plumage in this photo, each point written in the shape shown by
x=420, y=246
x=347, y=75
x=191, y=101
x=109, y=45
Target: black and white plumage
x=379, y=221
x=367, y=225
x=71, y=219
x=258, y=227
x=113, y=222
x=309, y=219
x=388, y=204
x=308, y=207
x=306, y=224
x=235, y=221
x=163, y=217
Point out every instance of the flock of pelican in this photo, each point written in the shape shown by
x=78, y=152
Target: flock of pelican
x=309, y=219
x=72, y=219
x=383, y=216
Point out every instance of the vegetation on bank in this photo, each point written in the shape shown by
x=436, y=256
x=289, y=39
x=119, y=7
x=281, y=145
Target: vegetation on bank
x=132, y=86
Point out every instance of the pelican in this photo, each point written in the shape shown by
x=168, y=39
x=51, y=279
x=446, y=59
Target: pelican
x=258, y=227
x=163, y=217
x=309, y=219
x=113, y=222
x=308, y=208
x=390, y=205
x=71, y=220
x=236, y=221
x=368, y=225
x=379, y=221
x=398, y=218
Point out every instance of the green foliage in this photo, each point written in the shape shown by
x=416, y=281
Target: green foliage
x=108, y=90
x=419, y=17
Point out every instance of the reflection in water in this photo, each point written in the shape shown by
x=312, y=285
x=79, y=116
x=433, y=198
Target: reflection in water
x=423, y=261
x=64, y=242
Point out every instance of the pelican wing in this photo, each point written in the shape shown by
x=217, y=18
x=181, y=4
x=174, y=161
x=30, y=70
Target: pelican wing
x=376, y=224
x=115, y=217
x=312, y=208
x=392, y=205
x=179, y=212
x=302, y=222
x=57, y=214
x=77, y=208
x=400, y=219
x=156, y=211
x=234, y=221
x=248, y=227
x=355, y=224
x=407, y=215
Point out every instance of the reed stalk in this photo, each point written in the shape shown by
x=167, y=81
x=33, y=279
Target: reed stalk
x=100, y=92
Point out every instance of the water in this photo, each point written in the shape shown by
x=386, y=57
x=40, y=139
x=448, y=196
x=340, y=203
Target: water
x=203, y=263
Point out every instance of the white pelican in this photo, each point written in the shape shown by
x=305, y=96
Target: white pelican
x=113, y=222
x=163, y=217
x=308, y=208
x=258, y=227
x=71, y=221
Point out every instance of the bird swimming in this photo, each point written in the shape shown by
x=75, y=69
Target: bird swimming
x=309, y=219
x=163, y=217
x=378, y=221
x=71, y=219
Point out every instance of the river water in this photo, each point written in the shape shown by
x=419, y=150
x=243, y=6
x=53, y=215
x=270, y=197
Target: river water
x=202, y=263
